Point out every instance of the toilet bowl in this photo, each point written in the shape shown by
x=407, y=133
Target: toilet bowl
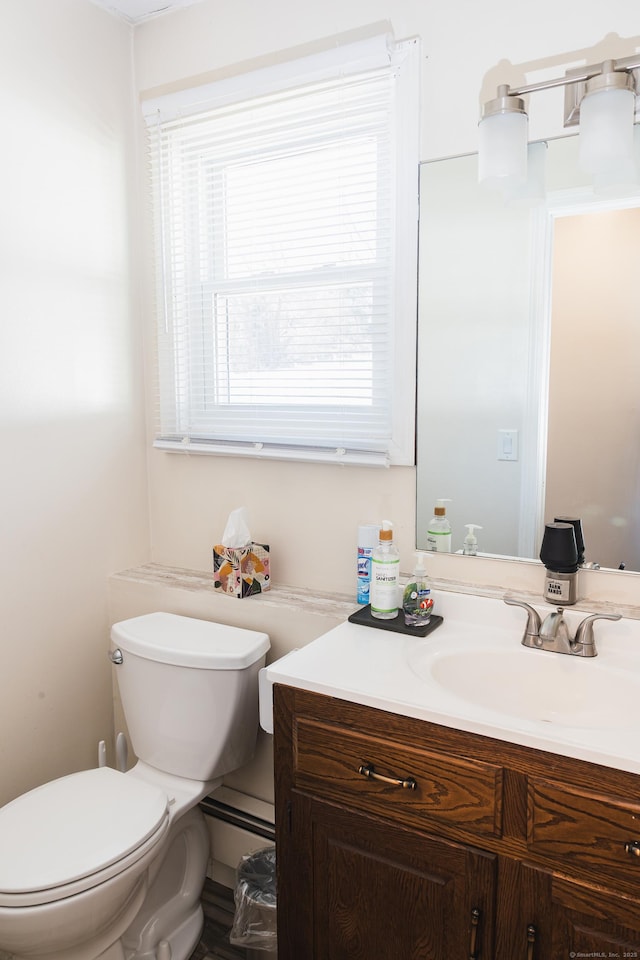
x=110, y=865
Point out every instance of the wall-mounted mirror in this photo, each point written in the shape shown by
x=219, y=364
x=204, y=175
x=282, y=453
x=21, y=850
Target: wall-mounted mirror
x=529, y=361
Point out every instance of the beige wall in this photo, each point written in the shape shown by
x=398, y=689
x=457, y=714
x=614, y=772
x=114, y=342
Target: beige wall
x=72, y=485
x=594, y=381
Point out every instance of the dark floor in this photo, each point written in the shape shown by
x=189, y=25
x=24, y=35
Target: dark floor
x=218, y=905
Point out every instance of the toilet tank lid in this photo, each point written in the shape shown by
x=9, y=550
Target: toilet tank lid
x=187, y=642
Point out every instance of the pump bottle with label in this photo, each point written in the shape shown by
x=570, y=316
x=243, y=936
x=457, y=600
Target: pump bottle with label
x=439, y=532
x=470, y=545
x=417, y=602
x=385, y=576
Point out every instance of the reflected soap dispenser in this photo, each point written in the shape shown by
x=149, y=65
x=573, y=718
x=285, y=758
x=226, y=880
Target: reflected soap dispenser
x=470, y=545
x=439, y=532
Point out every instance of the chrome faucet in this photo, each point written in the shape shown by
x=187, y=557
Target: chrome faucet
x=553, y=634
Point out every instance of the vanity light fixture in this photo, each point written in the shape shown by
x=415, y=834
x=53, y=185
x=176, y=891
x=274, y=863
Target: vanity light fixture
x=601, y=98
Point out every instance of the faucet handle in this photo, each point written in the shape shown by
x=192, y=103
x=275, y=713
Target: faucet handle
x=531, y=637
x=584, y=634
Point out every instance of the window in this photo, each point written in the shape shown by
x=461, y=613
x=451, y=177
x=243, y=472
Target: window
x=286, y=225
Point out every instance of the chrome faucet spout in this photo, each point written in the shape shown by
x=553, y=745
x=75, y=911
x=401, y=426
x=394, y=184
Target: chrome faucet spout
x=552, y=634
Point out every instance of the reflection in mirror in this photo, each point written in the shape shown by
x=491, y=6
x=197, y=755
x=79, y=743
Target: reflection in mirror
x=529, y=362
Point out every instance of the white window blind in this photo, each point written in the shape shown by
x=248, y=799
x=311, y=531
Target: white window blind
x=286, y=226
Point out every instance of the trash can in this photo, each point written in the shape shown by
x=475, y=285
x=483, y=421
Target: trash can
x=254, y=924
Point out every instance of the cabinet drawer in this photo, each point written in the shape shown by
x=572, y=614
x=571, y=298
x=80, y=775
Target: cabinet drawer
x=582, y=829
x=329, y=762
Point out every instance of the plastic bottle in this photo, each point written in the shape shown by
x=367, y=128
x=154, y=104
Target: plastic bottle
x=385, y=575
x=417, y=602
x=439, y=532
x=470, y=544
x=367, y=542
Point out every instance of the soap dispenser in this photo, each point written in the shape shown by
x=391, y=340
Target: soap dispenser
x=417, y=602
x=439, y=532
x=470, y=544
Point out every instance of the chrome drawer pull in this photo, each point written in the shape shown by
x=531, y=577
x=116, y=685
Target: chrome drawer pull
x=366, y=769
x=633, y=848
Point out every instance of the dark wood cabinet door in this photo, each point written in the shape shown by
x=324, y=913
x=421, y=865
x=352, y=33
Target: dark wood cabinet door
x=360, y=888
x=571, y=919
x=368, y=870
x=591, y=922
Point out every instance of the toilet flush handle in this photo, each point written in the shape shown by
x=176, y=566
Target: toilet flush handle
x=116, y=656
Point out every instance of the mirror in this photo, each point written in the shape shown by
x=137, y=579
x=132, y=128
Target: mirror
x=529, y=361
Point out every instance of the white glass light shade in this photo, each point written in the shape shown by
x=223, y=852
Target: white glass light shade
x=606, y=132
x=502, y=150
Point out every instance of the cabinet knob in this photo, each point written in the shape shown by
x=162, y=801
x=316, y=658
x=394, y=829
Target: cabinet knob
x=366, y=769
x=633, y=848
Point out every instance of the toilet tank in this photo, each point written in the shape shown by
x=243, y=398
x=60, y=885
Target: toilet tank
x=189, y=691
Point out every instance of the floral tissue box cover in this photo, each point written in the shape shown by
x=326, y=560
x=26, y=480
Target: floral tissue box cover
x=241, y=571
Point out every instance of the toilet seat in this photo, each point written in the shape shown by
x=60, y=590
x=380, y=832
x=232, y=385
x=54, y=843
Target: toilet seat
x=74, y=833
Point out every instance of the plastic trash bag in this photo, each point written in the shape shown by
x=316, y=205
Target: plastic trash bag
x=254, y=924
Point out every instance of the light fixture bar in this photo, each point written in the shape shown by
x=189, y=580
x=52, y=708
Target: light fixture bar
x=574, y=83
x=549, y=84
x=606, y=135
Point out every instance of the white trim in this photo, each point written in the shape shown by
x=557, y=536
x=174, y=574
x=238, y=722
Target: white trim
x=403, y=446
x=535, y=415
x=274, y=452
x=364, y=55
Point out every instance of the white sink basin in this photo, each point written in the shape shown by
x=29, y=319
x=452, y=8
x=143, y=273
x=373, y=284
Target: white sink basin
x=533, y=684
x=473, y=674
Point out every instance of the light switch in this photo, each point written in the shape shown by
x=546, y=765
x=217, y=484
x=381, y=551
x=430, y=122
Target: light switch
x=507, y=444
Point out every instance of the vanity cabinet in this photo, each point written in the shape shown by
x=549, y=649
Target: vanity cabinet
x=399, y=838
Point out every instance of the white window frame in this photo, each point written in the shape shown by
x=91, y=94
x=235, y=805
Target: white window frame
x=350, y=60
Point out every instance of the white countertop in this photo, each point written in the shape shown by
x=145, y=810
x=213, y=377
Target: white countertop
x=383, y=669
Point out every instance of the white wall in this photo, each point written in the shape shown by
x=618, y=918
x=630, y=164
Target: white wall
x=308, y=513
x=72, y=485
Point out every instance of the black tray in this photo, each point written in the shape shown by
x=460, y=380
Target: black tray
x=364, y=617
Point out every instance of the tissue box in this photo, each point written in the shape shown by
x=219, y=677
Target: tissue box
x=241, y=571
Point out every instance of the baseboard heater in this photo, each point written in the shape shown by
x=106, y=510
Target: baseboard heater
x=238, y=818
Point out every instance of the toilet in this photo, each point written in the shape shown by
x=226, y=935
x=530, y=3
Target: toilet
x=107, y=865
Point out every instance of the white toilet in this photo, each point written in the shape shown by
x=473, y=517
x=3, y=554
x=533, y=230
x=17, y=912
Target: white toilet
x=104, y=865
